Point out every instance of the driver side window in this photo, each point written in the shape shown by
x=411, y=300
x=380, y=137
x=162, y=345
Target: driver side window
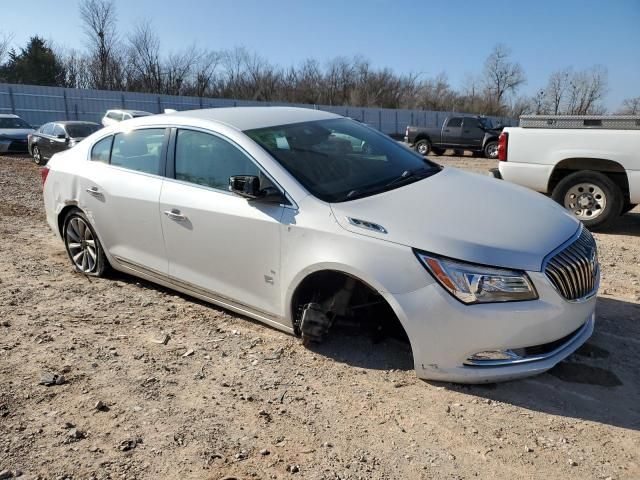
x=208, y=160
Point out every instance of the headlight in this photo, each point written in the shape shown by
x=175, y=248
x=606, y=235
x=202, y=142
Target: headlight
x=471, y=283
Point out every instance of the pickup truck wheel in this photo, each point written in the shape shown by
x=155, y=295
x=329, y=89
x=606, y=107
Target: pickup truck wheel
x=423, y=147
x=438, y=151
x=491, y=150
x=591, y=196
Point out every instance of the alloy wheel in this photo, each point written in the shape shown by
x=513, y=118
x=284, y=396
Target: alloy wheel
x=37, y=156
x=81, y=245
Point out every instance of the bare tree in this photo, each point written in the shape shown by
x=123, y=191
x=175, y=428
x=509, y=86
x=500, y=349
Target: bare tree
x=556, y=92
x=586, y=89
x=5, y=43
x=630, y=106
x=144, y=59
x=501, y=76
x=99, y=19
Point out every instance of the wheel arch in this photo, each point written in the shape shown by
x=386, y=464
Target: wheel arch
x=422, y=136
x=63, y=214
x=614, y=170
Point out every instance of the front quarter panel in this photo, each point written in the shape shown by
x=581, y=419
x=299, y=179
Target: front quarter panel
x=313, y=241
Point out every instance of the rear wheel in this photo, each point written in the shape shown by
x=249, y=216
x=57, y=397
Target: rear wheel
x=423, y=147
x=491, y=150
x=591, y=196
x=82, y=245
x=37, y=155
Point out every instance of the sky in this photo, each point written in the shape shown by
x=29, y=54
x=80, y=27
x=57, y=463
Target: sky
x=408, y=36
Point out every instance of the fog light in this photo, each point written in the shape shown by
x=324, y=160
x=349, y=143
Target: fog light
x=490, y=356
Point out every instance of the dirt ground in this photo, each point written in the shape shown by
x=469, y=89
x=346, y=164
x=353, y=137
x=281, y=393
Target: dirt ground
x=227, y=397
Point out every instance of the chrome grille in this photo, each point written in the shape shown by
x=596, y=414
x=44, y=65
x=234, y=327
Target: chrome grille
x=573, y=271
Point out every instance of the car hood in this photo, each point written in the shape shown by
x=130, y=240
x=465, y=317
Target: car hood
x=15, y=133
x=465, y=216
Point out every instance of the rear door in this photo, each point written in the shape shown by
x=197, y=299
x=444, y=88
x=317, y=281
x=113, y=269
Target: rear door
x=121, y=194
x=215, y=240
x=472, y=133
x=452, y=131
x=44, y=143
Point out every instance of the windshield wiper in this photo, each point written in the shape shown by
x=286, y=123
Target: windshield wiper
x=407, y=176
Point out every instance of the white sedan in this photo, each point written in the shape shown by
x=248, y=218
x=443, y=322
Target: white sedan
x=301, y=219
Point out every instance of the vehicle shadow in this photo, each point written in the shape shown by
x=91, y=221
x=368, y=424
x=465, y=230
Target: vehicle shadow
x=628, y=224
x=600, y=382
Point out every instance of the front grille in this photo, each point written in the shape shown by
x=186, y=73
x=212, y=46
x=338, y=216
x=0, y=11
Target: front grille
x=574, y=270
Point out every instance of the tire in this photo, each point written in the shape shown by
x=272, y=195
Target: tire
x=438, y=151
x=37, y=156
x=628, y=207
x=491, y=150
x=423, y=147
x=591, y=196
x=82, y=245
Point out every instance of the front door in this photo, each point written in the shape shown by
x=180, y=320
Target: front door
x=217, y=241
x=472, y=133
x=452, y=131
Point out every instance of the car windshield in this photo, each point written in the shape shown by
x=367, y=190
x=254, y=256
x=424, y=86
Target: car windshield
x=13, y=122
x=340, y=159
x=81, y=130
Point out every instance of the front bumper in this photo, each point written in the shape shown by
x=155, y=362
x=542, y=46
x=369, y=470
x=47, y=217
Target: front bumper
x=13, y=145
x=445, y=333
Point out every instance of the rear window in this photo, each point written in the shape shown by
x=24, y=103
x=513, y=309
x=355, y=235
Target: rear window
x=81, y=131
x=102, y=150
x=138, y=150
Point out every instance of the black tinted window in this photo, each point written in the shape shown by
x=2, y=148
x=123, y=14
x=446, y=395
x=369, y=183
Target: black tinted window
x=101, y=150
x=471, y=123
x=81, y=130
x=13, y=122
x=340, y=159
x=138, y=150
x=209, y=160
x=455, y=122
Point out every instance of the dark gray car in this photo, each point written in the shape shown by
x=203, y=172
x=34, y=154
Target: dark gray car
x=54, y=137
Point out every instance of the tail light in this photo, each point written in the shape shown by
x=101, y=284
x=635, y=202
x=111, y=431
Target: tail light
x=44, y=172
x=503, y=143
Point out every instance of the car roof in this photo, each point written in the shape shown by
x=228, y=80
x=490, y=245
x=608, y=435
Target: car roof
x=246, y=118
x=76, y=122
x=133, y=112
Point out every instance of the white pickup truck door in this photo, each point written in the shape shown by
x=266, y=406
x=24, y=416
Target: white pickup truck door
x=219, y=244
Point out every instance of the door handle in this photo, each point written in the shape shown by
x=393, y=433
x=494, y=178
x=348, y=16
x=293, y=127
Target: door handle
x=174, y=214
x=95, y=191
x=446, y=129
x=466, y=131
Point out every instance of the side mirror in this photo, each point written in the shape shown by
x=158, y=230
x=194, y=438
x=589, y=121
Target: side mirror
x=61, y=136
x=248, y=186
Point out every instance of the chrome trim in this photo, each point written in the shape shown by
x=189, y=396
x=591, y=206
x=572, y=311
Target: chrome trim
x=518, y=359
x=204, y=294
x=356, y=222
x=573, y=269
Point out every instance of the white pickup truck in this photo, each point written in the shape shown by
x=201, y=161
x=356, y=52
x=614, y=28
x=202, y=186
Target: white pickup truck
x=589, y=164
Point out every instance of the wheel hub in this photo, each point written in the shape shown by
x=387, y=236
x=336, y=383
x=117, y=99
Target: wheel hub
x=587, y=201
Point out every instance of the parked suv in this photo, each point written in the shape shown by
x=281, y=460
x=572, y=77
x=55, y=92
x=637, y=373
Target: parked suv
x=457, y=132
x=302, y=219
x=115, y=116
x=54, y=137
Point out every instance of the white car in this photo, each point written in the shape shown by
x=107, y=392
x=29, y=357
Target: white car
x=301, y=218
x=111, y=117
